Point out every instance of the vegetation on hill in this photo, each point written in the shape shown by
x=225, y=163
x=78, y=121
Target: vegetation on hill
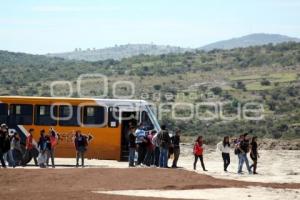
x=118, y=52
x=266, y=74
x=255, y=39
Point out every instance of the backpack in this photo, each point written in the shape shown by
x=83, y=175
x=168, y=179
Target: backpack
x=164, y=139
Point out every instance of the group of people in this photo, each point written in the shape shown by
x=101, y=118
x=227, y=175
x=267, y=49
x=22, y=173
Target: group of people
x=42, y=151
x=10, y=147
x=151, y=148
x=146, y=148
x=242, y=146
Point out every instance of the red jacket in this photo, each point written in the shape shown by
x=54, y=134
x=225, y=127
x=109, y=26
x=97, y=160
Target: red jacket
x=29, y=144
x=198, y=149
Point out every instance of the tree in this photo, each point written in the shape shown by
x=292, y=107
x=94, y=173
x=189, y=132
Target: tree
x=216, y=90
x=265, y=82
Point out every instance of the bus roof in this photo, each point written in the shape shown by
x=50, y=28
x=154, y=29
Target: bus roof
x=73, y=99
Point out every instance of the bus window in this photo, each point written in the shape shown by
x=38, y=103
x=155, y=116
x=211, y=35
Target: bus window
x=3, y=113
x=113, y=117
x=43, y=115
x=21, y=114
x=146, y=121
x=93, y=115
x=68, y=116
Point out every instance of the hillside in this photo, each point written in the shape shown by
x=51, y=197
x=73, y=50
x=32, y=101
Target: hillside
x=118, y=52
x=249, y=40
x=268, y=74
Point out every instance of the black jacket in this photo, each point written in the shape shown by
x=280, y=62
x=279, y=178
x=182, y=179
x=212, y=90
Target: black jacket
x=131, y=138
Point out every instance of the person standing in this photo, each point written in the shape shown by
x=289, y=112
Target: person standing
x=242, y=150
x=176, y=147
x=254, y=154
x=3, y=133
x=42, y=146
x=198, y=152
x=30, y=147
x=156, y=143
x=164, y=139
x=16, y=149
x=81, y=144
x=149, y=158
x=13, y=146
x=131, y=145
x=141, y=143
x=224, y=147
x=6, y=146
x=52, y=142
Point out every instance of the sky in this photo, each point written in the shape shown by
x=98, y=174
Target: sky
x=39, y=27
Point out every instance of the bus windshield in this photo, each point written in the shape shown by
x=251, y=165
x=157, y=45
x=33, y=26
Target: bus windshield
x=153, y=118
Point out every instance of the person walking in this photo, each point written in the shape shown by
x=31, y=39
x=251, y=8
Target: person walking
x=30, y=147
x=198, y=152
x=254, y=154
x=176, y=147
x=164, y=139
x=242, y=150
x=81, y=144
x=224, y=148
x=131, y=145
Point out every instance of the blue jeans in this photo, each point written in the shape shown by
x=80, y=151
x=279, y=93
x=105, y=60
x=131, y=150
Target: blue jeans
x=243, y=158
x=131, y=156
x=11, y=159
x=163, y=157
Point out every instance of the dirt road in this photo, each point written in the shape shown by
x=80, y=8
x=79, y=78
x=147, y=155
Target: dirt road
x=80, y=183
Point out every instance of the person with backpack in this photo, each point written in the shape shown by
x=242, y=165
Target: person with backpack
x=224, y=148
x=81, y=143
x=52, y=140
x=141, y=143
x=42, y=146
x=242, y=148
x=131, y=145
x=165, y=142
x=176, y=147
x=254, y=154
x=149, y=158
x=30, y=149
x=198, y=152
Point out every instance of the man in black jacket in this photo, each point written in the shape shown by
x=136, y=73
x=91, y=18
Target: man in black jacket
x=165, y=141
x=176, y=147
x=3, y=143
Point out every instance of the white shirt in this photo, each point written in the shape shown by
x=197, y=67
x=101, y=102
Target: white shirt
x=223, y=149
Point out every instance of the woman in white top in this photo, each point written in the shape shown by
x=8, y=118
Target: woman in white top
x=224, y=147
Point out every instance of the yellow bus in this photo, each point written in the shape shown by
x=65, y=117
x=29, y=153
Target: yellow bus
x=106, y=121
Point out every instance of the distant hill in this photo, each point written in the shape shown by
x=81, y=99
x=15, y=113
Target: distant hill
x=119, y=51
x=256, y=39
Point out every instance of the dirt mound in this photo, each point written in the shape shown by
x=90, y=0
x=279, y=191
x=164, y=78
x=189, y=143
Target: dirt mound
x=272, y=144
x=79, y=183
